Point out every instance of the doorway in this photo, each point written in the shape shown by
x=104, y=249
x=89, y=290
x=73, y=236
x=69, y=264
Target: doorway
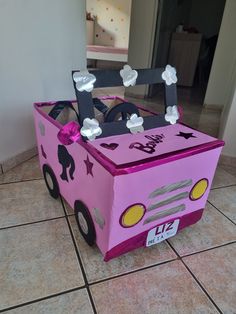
x=186, y=37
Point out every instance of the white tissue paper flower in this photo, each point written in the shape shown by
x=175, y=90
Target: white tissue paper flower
x=135, y=124
x=172, y=114
x=128, y=75
x=169, y=75
x=84, y=80
x=90, y=129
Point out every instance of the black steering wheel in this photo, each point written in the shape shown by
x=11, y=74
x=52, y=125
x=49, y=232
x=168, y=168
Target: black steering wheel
x=123, y=110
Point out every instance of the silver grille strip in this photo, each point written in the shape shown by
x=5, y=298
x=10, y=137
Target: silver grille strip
x=168, y=201
x=172, y=187
x=164, y=213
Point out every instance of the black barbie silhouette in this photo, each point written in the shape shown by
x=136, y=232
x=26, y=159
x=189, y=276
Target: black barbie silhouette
x=66, y=160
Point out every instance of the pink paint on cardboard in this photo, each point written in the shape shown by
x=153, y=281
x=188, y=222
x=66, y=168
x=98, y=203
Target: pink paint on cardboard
x=80, y=185
x=81, y=175
x=151, y=143
x=137, y=188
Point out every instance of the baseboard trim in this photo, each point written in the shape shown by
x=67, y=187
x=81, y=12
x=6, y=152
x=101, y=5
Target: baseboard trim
x=17, y=159
x=213, y=107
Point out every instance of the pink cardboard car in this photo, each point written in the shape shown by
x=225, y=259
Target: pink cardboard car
x=134, y=178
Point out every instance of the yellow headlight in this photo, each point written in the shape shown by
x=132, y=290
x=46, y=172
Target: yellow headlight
x=199, y=189
x=132, y=215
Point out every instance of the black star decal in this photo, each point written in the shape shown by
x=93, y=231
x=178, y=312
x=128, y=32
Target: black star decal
x=89, y=166
x=185, y=135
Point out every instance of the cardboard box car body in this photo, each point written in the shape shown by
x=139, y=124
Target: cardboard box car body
x=129, y=186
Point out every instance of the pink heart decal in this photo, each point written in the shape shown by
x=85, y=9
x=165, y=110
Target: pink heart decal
x=111, y=146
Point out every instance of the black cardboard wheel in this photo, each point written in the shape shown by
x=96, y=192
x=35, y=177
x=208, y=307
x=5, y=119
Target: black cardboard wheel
x=85, y=222
x=124, y=109
x=51, y=181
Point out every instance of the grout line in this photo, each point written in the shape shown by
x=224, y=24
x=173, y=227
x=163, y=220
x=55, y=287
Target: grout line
x=41, y=299
x=79, y=260
x=20, y=181
x=113, y=277
x=222, y=187
x=201, y=286
x=178, y=257
x=222, y=167
x=132, y=272
x=209, y=249
x=195, y=278
x=32, y=223
x=222, y=213
x=64, y=206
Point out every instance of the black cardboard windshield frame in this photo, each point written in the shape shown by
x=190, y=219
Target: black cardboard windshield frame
x=112, y=78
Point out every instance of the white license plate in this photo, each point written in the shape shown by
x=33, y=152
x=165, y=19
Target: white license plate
x=162, y=232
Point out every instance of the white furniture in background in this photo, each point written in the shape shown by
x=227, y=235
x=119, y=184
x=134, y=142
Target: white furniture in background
x=107, y=53
x=183, y=55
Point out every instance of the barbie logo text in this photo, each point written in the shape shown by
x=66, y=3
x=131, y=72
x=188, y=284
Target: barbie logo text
x=148, y=147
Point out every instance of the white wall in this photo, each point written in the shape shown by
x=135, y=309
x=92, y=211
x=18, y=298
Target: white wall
x=220, y=83
x=41, y=42
x=229, y=131
x=112, y=23
x=142, y=33
x=227, y=124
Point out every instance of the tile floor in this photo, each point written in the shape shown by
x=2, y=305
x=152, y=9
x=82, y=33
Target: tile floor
x=46, y=267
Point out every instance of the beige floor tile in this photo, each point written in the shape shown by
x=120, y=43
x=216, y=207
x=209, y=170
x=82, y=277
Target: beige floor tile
x=216, y=271
x=222, y=178
x=225, y=200
x=154, y=107
x=36, y=261
x=209, y=122
x=167, y=288
x=28, y=170
x=26, y=202
x=69, y=210
x=113, y=91
x=117, y=91
x=76, y=302
x=210, y=128
x=99, y=92
x=230, y=169
x=212, y=230
x=96, y=269
x=18, y=159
